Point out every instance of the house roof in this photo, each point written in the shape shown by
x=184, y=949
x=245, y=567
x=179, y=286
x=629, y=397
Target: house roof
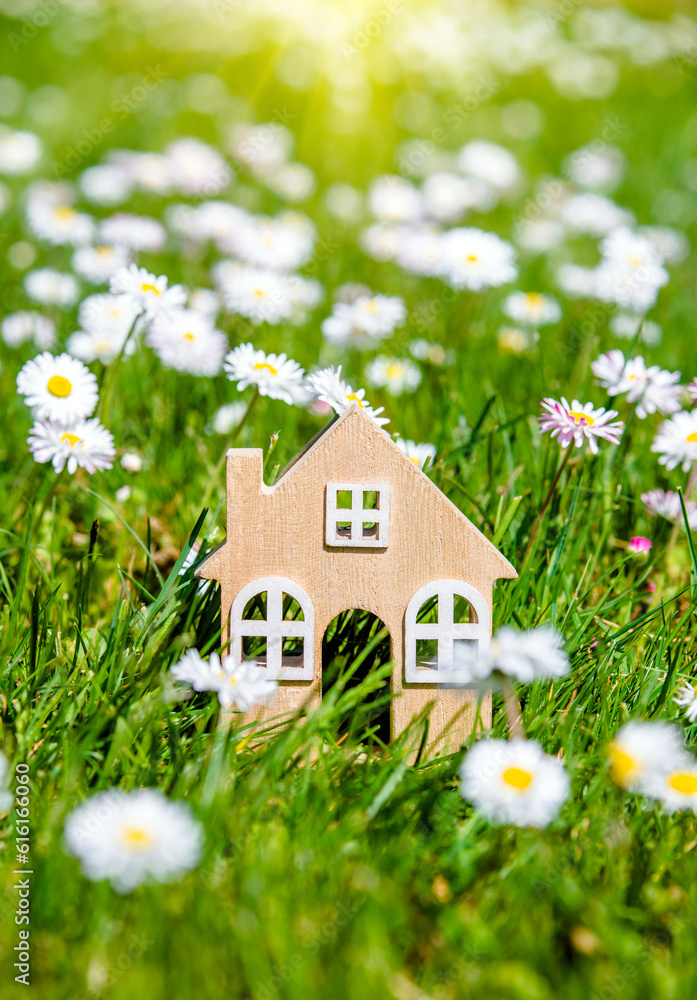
x=503, y=568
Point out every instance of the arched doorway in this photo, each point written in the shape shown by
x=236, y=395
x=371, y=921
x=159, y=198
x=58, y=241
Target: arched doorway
x=356, y=635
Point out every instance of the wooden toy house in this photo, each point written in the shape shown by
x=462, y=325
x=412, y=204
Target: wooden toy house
x=354, y=523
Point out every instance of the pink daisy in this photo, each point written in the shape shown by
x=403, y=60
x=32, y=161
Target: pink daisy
x=580, y=422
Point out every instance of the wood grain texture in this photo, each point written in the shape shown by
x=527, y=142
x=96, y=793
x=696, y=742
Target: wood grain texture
x=281, y=531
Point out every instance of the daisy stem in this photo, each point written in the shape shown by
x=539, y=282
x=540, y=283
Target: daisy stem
x=103, y=405
x=235, y=434
x=47, y=496
x=545, y=504
x=513, y=713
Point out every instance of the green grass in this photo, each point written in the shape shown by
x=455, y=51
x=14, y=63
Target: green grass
x=332, y=867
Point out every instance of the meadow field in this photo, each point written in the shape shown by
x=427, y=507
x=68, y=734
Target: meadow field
x=471, y=208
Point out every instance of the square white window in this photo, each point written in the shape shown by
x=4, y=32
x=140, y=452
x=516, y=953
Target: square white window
x=357, y=515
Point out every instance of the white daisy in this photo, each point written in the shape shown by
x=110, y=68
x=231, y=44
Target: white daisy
x=187, y=341
x=599, y=169
x=51, y=288
x=244, y=686
x=211, y=220
x=19, y=151
x=147, y=171
x=676, y=788
x=394, y=199
x=447, y=196
x=396, y=375
x=514, y=340
x=131, y=462
x=104, y=312
x=196, y=168
x=421, y=252
x=137, y=232
x=368, y=317
x=294, y=182
x=262, y=296
x=261, y=148
x=99, y=264
x=667, y=504
x=539, y=235
x=304, y=294
x=99, y=345
x=16, y=328
x=593, y=214
x=133, y=837
x=653, y=389
x=514, y=782
x=344, y=202
x=422, y=455
x=274, y=375
x=476, y=259
x=686, y=698
x=641, y=749
x=532, y=308
x=59, y=224
x=382, y=241
x=676, y=441
x=625, y=287
x=577, y=282
x=525, y=656
x=226, y=418
x=490, y=163
x=60, y=388
x=282, y=244
x=84, y=444
x=427, y=350
x=105, y=184
x=148, y=292
x=329, y=387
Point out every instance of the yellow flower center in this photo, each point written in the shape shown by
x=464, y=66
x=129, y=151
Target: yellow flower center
x=64, y=212
x=692, y=438
x=581, y=418
x=136, y=838
x=635, y=261
x=150, y=288
x=472, y=258
x=394, y=370
x=534, y=299
x=517, y=778
x=72, y=439
x=622, y=765
x=188, y=336
x=370, y=307
x=415, y=460
x=264, y=365
x=354, y=399
x=104, y=251
x=59, y=386
x=684, y=783
x=258, y=293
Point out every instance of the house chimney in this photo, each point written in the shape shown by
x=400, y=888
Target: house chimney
x=244, y=467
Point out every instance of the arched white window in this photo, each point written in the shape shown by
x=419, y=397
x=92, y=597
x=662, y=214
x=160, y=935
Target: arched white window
x=275, y=628
x=440, y=637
